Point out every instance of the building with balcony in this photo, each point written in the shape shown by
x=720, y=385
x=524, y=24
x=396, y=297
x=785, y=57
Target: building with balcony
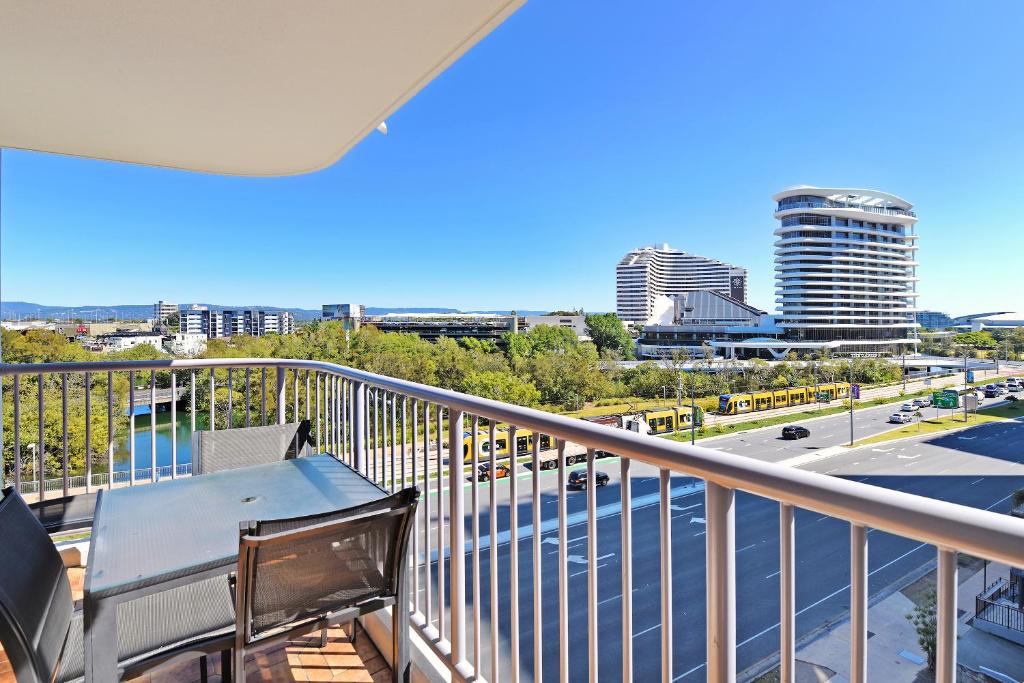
x=198, y=319
x=845, y=268
x=163, y=310
x=646, y=273
x=348, y=315
x=122, y=341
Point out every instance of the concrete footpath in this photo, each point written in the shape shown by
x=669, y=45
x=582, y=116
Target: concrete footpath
x=894, y=655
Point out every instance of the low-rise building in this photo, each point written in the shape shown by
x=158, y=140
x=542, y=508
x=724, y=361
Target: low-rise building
x=163, y=310
x=433, y=326
x=576, y=323
x=122, y=341
x=186, y=345
x=689, y=321
x=934, y=320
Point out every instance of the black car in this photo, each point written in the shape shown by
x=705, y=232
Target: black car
x=578, y=479
x=795, y=432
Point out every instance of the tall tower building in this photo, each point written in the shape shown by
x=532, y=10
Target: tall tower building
x=649, y=272
x=845, y=268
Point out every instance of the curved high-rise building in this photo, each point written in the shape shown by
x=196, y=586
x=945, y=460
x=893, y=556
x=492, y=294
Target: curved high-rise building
x=649, y=272
x=845, y=268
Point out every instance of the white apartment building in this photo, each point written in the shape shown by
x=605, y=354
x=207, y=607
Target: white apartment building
x=163, y=310
x=845, y=268
x=274, y=322
x=201, y=320
x=122, y=341
x=576, y=323
x=186, y=345
x=649, y=272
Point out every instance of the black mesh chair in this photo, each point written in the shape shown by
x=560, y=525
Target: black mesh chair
x=300, y=575
x=67, y=513
x=230, y=449
x=43, y=635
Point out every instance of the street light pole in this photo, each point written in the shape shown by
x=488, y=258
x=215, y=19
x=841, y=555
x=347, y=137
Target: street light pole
x=905, y=369
x=693, y=411
x=965, y=385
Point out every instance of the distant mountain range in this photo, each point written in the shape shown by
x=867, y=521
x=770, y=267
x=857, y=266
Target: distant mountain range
x=20, y=310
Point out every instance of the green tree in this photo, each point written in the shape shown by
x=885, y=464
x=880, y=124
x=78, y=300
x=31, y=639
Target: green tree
x=981, y=340
x=607, y=332
x=923, y=619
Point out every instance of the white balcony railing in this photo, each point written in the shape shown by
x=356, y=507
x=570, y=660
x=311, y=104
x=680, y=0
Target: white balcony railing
x=492, y=615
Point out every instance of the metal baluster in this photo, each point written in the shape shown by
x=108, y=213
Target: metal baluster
x=248, y=397
x=665, y=513
x=538, y=569
x=192, y=403
x=319, y=415
x=592, y=566
x=152, y=425
x=295, y=395
x=720, y=504
x=563, y=570
x=41, y=453
x=405, y=407
x=282, y=383
x=174, y=424
x=307, y=396
x=858, y=603
x=231, y=391
x=328, y=382
x=358, y=391
x=513, y=552
x=394, y=439
x=110, y=430
x=627, y=571
x=475, y=531
x=492, y=514
x=88, y=432
x=16, y=390
x=787, y=593
x=440, y=529
x=384, y=439
x=213, y=401
x=427, y=581
x=414, y=566
x=946, y=617
x=131, y=428
x=64, y=429
x=263, y=396
x=348, y=439
x=456, y=542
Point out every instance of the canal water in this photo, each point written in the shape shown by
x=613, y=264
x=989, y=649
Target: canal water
x=122, y=452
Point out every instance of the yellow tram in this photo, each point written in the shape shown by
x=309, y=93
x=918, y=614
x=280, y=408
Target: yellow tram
x=736, y=404
x=524, y=444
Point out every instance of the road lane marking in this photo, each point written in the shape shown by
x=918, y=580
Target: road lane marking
x=697, y=520
x=977, y=480
x=752, y=545
x=646, y=630
x=773, y=574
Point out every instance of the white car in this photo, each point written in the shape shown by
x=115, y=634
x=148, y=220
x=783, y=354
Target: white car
x=900, y=418
x=908, y=408
x=921, y=402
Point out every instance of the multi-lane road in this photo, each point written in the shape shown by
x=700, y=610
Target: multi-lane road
x=979, y=467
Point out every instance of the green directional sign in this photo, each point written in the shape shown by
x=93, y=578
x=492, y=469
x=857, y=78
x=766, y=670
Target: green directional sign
x=823, y=397
x=941, y=399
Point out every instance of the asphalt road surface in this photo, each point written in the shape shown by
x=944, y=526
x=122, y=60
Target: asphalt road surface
x=979, y=467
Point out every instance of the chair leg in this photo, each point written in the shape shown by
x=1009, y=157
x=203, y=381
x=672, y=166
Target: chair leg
x=225, y=666
x=352, y=632
x=202, y=669
x=239, y=668
x=323, y=638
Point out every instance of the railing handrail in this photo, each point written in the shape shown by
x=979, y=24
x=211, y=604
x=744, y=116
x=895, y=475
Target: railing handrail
x=947, y=525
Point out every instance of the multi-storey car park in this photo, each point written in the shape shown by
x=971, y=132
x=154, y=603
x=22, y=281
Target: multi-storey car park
x=646, y=273
x=845, y=268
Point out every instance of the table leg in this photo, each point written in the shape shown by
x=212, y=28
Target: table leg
x=400, y=633
x=100, y=641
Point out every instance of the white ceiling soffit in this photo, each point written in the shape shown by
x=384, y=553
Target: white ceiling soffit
x=260, y=88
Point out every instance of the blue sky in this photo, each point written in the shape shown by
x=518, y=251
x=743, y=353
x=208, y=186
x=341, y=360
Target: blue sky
x=571, y=134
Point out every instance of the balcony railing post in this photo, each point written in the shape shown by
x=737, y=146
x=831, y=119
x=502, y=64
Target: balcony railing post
x=280, y=394
x=358, y=425
x=456, y=542
x=721, y=581
x=858, y=603
x=945, y=641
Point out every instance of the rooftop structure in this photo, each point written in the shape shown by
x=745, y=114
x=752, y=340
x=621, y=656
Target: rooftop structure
x=646, y=273
x=576, y=323
x=162, y=311
x=433, y=326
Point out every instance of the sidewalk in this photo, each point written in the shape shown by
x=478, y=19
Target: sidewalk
x=894, y=655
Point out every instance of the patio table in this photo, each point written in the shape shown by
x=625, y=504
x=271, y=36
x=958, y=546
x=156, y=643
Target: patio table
x=151, y=538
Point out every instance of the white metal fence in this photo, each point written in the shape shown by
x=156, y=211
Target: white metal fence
x=486, y=615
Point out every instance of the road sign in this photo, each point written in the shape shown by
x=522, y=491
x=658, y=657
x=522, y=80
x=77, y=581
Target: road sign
x=855, y=390
x=970, y=375
x=823, y=397
x=971, y=401
x=941, y=399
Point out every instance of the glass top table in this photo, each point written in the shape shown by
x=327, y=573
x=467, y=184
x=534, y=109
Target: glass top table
x=153, y=537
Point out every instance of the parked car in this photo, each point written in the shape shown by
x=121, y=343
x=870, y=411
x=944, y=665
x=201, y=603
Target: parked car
x=795, y=432
x=578, y=479
x=900, y=418
x=483, y=472
x=921, y=402
x=991, y=393
x=908, y=407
